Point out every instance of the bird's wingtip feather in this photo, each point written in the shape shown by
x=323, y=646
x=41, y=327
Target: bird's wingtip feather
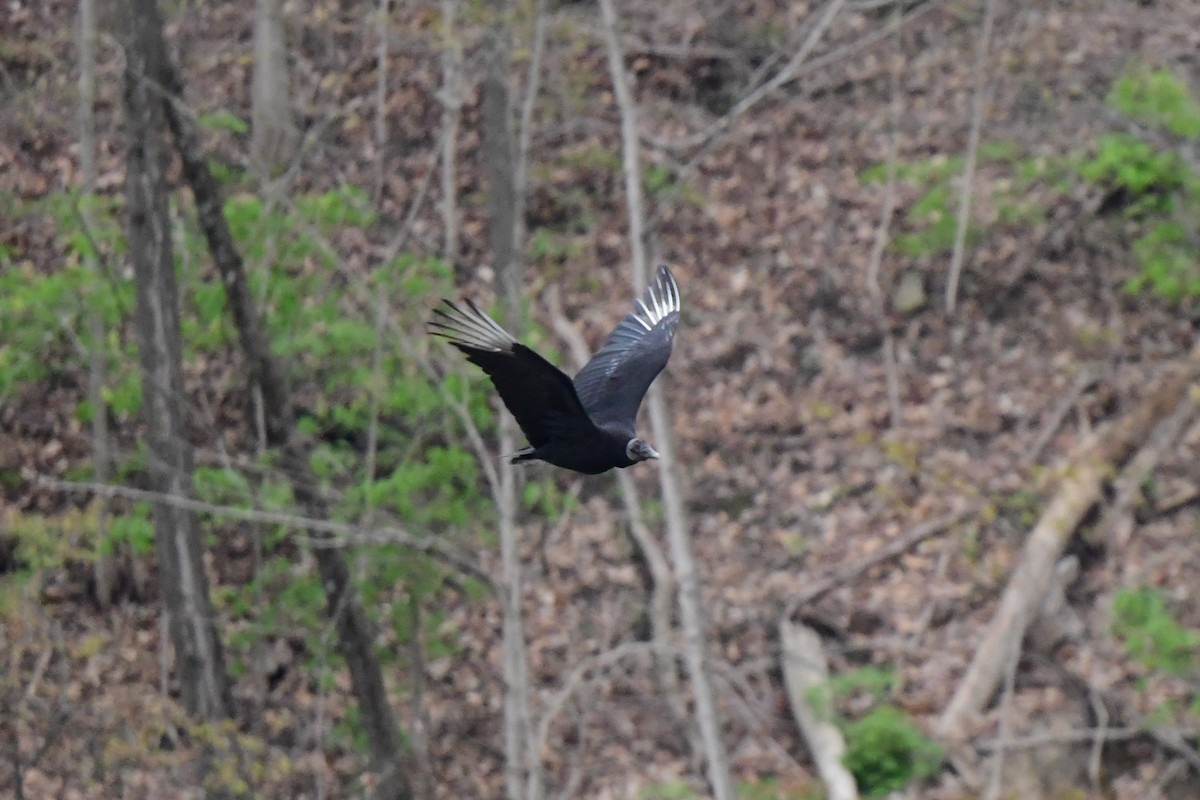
x=471, y=328
x=660, y=300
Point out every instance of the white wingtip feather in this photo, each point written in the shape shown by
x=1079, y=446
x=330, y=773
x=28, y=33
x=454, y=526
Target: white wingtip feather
x=472, y=328
x=662, y=300
x=649, y=320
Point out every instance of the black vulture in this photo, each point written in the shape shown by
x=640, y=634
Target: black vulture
x=586, y=425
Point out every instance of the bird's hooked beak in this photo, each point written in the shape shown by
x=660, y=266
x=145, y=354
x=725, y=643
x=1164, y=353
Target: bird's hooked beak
x=640, y=450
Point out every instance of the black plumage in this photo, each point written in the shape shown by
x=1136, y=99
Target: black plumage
x=586, y=425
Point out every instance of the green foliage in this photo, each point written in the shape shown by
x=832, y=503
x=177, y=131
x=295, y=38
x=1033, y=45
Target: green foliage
x=885, y=752
x=43, y=330
x=41, y=320
x=1155, y=186
x=350, y=377
x=30, y=332
x=876, y=682
x=1169, y=256
x=1157, y=98
x=1125, y=162
x=221, y=486
x=101, y=238
x=667, y=790
x=223, y=121
x=280, y=601
x=324, y=326
x=927, y=227
x=225, y=174
x=1161, y=191
x=658, y=179
x=9, y=208
x=237, y=765
x=1151, y=633
x=438, y=491
x=933, y=216
x=662, y=183
x=124, y=393
x=1022, y=506
x=547, y=499
x=133, y=528
x=48, y=542
x=548, y=246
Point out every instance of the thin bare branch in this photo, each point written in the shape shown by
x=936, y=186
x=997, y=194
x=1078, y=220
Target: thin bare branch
x=1083, y=380
x=382, y=20
x=786, y=75
x=483, y=453
x=1080, y=736
x=356, y=534
x=889, y=551
x=713, y=136
x=397, y=242
x=1116, y=526
x=686, y=571
x=982, y=93
x=375, y=390
x=630, y=146
x=574, y=682
x=533, y=82
x=1100, y=709
x=662, y=592
x=881, y=240
x=105, y=569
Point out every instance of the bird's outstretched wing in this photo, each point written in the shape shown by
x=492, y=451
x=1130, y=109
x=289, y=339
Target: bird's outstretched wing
x=539, y=395
x=611, y=386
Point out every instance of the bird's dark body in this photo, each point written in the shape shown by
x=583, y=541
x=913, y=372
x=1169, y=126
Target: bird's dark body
x=590, y=454
x=585, y=425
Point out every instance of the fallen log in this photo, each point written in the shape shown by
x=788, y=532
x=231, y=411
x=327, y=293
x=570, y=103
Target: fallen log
x=1082, y=486
x=805, y=671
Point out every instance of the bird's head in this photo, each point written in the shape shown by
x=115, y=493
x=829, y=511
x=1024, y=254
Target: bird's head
x=639, y=450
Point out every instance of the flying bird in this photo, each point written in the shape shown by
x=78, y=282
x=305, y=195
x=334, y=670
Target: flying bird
x=585, y=425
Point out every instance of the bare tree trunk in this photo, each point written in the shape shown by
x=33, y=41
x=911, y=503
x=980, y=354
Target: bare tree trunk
x=524, y=138
x=452, y=99
x=498, y=150
x=356, y=635
x=273, y=131
x=676, y=515
x=521, y=765
x=199, y=665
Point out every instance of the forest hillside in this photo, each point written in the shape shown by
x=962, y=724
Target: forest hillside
x=926, y=521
